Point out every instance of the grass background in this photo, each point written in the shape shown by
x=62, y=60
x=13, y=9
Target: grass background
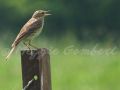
x=82, y=71
x=83, y=24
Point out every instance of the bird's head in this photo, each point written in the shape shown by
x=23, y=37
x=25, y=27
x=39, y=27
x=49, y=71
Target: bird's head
x=40, y=13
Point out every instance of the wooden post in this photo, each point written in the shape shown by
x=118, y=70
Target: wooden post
x=36, y=63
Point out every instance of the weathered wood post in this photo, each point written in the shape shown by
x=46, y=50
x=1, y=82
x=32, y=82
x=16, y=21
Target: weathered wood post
x=36, y=63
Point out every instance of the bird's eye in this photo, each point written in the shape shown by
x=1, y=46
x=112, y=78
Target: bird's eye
x=42, y=13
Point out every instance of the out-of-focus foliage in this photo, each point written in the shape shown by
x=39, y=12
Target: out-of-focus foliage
x=71, y=20
x=70, y=71
x=86, y=19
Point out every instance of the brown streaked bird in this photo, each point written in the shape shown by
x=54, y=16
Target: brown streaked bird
x=30, y=30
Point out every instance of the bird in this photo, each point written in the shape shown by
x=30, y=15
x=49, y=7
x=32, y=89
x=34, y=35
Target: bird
x=30, y=30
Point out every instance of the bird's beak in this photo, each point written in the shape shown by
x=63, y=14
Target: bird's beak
x=46, y=13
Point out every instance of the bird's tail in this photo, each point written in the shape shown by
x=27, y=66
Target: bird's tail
x=11, y=51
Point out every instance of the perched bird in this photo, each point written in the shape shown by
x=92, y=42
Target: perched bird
x=30, y=30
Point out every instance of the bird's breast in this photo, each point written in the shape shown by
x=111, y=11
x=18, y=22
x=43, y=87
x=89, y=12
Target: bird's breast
x=39, y=30
x=36, y=30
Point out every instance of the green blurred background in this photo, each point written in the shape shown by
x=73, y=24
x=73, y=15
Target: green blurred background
x=89, y=31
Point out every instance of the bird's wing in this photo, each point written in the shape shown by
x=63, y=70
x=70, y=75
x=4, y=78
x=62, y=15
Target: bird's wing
x=26, y=30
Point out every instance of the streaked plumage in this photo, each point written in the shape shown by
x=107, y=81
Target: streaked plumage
x=30, y=30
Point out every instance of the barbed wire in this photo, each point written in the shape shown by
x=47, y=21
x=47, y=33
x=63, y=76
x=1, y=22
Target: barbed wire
x=30, y=82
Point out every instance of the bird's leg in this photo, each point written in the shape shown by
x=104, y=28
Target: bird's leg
x=32, y=45
x=27, y=45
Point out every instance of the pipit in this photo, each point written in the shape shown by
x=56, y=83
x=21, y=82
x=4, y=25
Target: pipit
x=30, y=30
